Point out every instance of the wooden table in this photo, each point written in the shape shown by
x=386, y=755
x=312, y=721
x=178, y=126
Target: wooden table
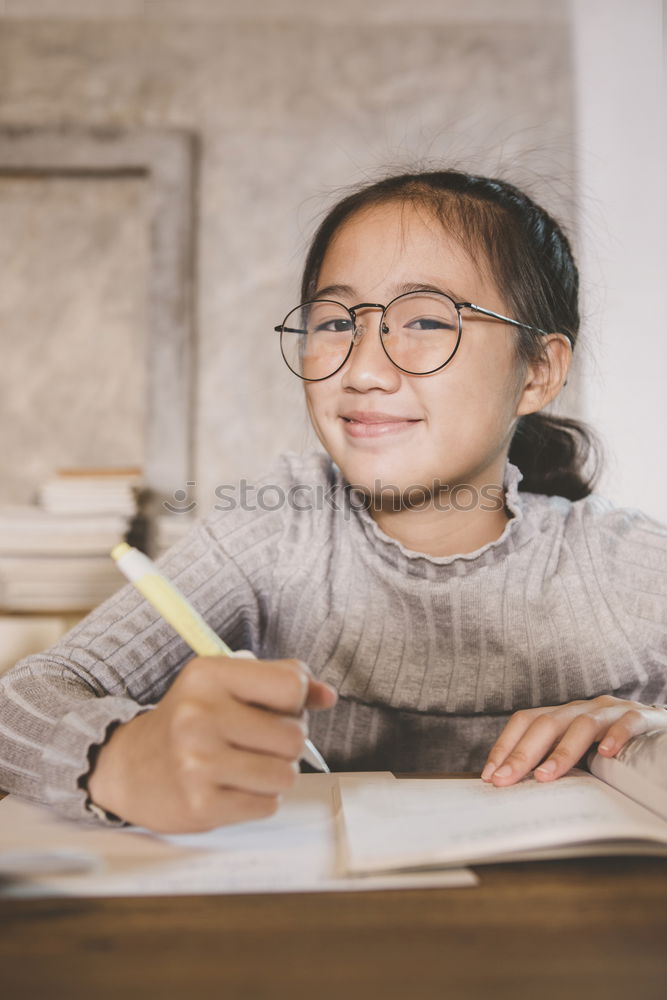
x=594, y=929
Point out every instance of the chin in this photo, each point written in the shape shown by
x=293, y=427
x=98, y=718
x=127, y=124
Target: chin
x=367, y=471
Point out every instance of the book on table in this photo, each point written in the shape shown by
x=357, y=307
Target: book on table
x=391, y=824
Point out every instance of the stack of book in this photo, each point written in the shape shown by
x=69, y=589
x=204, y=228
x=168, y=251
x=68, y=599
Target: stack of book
x=169, y=529
x=54, y=556
x=91, y=491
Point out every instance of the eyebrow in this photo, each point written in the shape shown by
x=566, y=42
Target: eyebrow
x=347, y=291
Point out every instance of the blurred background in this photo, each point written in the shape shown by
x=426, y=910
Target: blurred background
x=163, y=165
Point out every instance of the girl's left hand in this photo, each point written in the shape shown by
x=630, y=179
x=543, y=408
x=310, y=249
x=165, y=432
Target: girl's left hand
x=563, y=734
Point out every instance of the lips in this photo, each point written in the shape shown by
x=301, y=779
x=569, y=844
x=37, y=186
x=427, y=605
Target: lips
x=363, y=424
x=364, y=417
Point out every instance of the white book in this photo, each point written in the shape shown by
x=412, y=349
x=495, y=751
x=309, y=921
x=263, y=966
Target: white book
x=79, y=544
x=169, y=529
x=389, y=824
x=87, y=494
x=88, y=503
x=56, y=583
x=29, y=530
x=29, y=517
x=58, y=567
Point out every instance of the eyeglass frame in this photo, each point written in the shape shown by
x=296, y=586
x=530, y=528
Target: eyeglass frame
x=352, y=310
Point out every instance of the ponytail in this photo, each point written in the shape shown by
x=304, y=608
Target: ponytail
x=552, y=453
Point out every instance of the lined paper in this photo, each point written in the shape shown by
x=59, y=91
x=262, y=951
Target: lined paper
x=294, y=851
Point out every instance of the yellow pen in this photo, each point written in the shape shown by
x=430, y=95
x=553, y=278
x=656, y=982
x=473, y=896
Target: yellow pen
x=186, y=620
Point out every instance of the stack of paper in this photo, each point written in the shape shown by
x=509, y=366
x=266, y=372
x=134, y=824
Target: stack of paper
x=169, y=529
x=294, y=851
x=56, y=583
x=55, y=556
x=338, y=832
x=91, y=491
x=33, y=531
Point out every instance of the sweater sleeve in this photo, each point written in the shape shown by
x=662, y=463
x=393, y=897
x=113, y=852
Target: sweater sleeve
x=629, y=550
x=57, y=707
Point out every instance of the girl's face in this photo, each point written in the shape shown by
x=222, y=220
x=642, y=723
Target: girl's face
x=453, y=426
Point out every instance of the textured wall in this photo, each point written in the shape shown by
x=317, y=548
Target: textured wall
x=73, y=261
x=289, y=110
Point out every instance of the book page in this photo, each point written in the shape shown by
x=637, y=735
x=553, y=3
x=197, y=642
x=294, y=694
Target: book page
x=639, y=770
x=293, y=851
x=405, y=823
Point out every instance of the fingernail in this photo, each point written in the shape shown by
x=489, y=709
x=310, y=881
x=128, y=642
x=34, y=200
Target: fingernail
x=548, y=767
x=503, y=772
x=607, y=746
x=488, y=771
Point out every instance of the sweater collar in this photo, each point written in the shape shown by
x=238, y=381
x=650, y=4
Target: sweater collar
x=516, y=532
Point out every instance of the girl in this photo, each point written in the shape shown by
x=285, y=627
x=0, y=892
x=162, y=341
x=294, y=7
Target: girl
x=456, y=596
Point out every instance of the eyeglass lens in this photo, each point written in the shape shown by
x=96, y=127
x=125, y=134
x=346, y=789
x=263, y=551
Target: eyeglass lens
x=420, y=333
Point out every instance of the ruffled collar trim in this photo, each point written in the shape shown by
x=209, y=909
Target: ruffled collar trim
x=515, y=533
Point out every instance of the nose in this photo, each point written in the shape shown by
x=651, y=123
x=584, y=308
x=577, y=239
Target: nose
x=368, y=366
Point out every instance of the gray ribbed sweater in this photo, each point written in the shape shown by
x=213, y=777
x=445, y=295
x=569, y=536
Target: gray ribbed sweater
x=430, y=655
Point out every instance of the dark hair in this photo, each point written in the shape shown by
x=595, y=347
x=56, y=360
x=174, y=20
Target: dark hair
x=531, y=261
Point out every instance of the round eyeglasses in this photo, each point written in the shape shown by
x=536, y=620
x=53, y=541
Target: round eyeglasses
x=420, y=333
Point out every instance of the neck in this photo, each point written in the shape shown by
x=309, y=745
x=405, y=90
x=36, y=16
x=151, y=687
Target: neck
x=442, y=527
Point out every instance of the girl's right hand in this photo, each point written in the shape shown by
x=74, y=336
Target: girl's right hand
x=220, y=747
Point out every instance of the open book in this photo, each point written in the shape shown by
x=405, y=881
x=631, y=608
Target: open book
x=293, y=851
x=389, y=824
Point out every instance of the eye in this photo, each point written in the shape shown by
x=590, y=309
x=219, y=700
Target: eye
x=338, y=325
x=430, y=323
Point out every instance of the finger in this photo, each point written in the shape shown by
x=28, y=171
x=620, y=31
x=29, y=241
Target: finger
x=247, y=727
x=253, y=772
x=579, y=736
x=209, y=806
x=544, y=731
x=199, y=771
x=280, y=685
x=508, y=739
x=229, y=805
x=632, y=723
x=320, y=695
x=201, y=733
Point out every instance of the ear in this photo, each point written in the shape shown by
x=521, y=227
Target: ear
x=545, y=377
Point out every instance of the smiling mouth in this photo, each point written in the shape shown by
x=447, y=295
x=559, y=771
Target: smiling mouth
x=376, y=425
